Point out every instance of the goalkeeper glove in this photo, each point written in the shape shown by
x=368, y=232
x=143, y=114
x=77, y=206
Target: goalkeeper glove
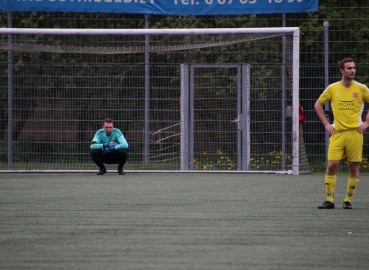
x=108, y=147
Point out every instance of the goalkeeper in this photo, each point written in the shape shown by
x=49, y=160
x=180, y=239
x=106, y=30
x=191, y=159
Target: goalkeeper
x=109, y=146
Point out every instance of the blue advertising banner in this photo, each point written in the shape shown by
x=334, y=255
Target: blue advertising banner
x=163, y=7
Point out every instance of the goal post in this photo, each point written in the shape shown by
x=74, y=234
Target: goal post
x=68, y=80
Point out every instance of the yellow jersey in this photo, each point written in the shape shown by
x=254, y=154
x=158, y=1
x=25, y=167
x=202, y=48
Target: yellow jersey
x=347, y=104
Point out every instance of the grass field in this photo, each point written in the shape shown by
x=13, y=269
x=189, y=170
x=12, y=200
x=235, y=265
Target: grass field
x=179, y=221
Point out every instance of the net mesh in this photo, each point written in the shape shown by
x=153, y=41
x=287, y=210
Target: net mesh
x=206, y=41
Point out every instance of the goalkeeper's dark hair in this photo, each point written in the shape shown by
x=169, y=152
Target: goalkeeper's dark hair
x=108, y=120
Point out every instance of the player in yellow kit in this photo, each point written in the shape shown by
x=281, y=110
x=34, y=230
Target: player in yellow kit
x=347, y=99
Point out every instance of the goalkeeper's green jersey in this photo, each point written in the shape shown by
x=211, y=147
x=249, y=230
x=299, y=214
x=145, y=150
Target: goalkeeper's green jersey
x=116, y=136
x=347, y=104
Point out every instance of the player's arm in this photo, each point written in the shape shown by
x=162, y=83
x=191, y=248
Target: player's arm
x=96, y=142
x=365, y=124
x=96, y=145
x=122, y=142
x=320, y=112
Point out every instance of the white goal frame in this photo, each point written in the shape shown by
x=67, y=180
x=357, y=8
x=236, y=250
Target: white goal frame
x=294, y=31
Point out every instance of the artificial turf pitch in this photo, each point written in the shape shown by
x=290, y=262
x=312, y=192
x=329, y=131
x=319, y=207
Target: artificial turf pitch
x=179, y=221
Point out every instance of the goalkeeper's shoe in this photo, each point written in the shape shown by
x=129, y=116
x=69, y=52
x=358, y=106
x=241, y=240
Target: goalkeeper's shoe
x=102, y=171
x=347, y=205
x=326, y=205
x=120, y=171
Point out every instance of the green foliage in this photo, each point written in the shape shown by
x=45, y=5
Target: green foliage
x=341, y=16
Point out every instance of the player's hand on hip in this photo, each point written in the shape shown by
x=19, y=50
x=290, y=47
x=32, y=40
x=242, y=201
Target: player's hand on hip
x=330, y=129
x=363, y=127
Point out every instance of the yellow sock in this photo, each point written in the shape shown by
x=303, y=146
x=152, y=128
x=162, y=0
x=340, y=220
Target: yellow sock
x=351, y=186
x=330, y=185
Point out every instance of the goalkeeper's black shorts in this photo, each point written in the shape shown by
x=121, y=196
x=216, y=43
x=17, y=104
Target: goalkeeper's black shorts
x=115, y=157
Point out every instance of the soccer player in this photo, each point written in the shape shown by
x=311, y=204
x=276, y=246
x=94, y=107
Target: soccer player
x=109, y=146
x=347, y=99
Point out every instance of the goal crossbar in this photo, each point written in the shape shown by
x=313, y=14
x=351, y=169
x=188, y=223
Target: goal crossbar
x=194, y=31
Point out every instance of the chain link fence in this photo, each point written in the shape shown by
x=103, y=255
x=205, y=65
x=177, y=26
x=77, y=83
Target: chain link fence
x=57, y=108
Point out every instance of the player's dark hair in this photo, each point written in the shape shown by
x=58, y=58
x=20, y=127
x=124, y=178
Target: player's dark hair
x=108, y=120
x=344, y=61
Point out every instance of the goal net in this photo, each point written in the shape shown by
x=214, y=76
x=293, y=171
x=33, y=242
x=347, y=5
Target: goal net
x=185, y=99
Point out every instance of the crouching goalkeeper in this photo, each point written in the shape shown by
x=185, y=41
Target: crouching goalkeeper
x=109, y=146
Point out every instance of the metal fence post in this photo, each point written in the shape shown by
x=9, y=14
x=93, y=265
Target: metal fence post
x=10, y=97
x=147, y=95
x=184, y=116
x=326, y=81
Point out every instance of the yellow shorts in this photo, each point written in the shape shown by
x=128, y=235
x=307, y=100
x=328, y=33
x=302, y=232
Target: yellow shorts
x=348, y=143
